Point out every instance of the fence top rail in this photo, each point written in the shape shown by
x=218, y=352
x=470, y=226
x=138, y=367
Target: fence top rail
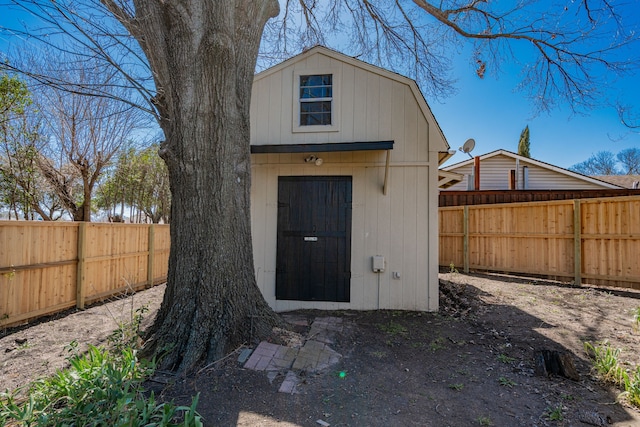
x=28, y=223
x=25, y=223
x=611, y=199
x=123, y=224
x=543, y=202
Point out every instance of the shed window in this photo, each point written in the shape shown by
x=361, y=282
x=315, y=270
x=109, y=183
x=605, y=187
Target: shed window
x=316, y=98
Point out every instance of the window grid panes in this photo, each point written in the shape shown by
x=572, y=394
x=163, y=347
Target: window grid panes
x=316, y=95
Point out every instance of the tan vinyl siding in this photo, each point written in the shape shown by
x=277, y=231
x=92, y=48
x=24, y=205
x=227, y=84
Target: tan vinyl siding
x=373, y=105
x=381, y=225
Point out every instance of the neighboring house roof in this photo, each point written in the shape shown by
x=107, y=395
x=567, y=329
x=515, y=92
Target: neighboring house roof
x=592, y=180
x=447, y=179
x=436, y=136
x=625, y=181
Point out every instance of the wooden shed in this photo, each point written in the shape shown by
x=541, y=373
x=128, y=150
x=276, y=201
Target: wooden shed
x=344, y=194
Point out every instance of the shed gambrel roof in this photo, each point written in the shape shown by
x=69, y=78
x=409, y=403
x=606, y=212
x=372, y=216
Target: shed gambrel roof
x=548, y=166
x=437, y=140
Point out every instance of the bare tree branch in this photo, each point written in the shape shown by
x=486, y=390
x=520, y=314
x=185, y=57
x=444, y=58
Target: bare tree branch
x=569, y=47
x=87, y=31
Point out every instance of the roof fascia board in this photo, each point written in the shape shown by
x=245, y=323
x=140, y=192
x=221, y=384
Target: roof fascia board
x=322, y=148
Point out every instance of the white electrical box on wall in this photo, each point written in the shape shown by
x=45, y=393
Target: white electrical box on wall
x=378, y=264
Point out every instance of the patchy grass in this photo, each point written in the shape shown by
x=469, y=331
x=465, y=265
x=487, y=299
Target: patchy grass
x=394, y=329
x=437, y=344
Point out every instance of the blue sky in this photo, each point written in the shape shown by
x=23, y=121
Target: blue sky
x=490, y=111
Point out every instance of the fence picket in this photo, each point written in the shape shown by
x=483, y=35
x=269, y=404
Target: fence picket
x=46, y=267
x=594, y=241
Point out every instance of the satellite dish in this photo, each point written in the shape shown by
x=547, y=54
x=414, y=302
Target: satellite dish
x=468, y=146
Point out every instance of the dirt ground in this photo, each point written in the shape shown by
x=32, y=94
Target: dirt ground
x=470, y=364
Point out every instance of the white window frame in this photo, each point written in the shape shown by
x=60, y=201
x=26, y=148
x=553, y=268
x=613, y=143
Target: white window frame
x=335, y=101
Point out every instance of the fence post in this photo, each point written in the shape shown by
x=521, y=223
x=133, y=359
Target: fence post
x=80, y=287
x=152, y=251
x=577, y=243
x=465, y=242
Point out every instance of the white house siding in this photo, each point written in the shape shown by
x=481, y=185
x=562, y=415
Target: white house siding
x=402, y=226
x=494, y=175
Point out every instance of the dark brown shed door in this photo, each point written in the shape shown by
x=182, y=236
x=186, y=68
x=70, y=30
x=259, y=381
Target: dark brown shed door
x=313, y=261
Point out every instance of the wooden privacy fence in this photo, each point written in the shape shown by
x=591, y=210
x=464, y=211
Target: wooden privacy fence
x=48, y=267
x=595, y=241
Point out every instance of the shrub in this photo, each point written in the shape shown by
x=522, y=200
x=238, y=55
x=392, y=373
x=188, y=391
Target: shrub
x=100, y=388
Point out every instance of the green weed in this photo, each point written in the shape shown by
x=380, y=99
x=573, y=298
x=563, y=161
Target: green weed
x=25, y=345
x=636, y=319
x=100, y=388
x=456, y=387
x=505, y=359
x=506, y=382
x=128, y=334
x=452, y=268
x=555, y=414
x=484, y=421
x=632, y=388
x=103, y=387
x=606, y=364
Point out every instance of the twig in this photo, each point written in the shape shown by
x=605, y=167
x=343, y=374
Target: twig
x=439, y=413
x=219, y=360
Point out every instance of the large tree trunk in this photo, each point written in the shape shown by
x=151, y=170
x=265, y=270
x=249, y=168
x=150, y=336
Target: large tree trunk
x=203, y=56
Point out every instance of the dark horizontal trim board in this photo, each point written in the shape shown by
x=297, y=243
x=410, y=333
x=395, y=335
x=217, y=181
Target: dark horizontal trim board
x=489, y=197
x=316, y=148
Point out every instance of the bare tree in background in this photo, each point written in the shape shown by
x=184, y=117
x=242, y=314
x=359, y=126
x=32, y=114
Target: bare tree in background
x=600, y=163
x=22, y=188
x=201, y=56
x=83, y=133
x=607, y=163
x=629, y=158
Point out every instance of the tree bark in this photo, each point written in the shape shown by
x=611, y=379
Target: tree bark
x=203, y=54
